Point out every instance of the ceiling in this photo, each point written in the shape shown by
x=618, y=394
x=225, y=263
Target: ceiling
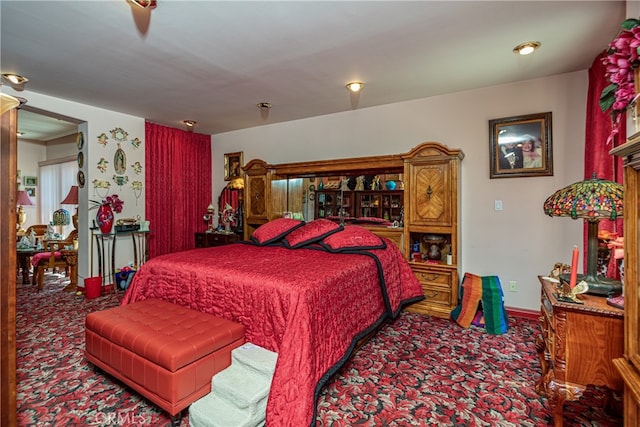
x=213, y=61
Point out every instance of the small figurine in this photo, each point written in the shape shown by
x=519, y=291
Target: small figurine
x=360, y=183
x=375, y=184
x=344, y=184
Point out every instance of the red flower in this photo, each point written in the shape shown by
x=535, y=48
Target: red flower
x=113, y=201
x=622, y=58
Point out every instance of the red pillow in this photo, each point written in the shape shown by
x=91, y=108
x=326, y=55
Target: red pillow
x=275, y=230
x=311, y=232
x=353, y=237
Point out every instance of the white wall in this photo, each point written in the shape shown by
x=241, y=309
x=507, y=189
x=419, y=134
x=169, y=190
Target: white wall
x=518, y=243
x=29, y=154
x=98, y=121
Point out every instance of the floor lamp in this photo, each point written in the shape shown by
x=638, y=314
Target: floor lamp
x=591, y=200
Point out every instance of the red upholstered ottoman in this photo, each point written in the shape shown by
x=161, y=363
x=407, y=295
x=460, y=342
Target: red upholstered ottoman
x=166, y=352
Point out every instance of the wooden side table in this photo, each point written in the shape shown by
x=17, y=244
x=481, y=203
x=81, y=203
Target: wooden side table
x=577, y=347
x=205, y=240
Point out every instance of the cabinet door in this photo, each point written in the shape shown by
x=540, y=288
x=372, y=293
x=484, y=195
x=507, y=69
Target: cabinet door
x=256, y=206
x=431, y=192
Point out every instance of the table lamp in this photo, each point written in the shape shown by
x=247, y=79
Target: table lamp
x=61, y=218
x=22, y=199
x=592, y=200
x=72, y=199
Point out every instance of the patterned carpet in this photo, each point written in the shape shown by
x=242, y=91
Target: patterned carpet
x=418, y=371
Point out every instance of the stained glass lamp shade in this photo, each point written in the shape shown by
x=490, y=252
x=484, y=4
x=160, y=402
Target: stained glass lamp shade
x=592, y=200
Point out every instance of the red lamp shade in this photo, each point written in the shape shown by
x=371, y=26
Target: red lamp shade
x=72, y=197
x=23, y=199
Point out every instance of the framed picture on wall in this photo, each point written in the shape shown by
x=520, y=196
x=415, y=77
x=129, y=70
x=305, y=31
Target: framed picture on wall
x=520, y=146
x=30, y=180
x=31, y=191
x=232, y=164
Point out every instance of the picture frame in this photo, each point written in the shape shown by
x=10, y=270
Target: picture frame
x=31, y=191
x=232, y=165
x=521, y=146
x=30, y=181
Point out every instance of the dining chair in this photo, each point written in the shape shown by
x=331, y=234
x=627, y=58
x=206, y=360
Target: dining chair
x=51, y=257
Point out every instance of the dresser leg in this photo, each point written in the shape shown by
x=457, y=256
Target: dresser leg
x=541, y=388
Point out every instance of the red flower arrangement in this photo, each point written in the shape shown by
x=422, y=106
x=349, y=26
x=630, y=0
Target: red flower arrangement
x=113, y=201
x=622, y=58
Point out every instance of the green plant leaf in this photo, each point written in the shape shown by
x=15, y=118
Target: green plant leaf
x=608, y=97
x=630, y=23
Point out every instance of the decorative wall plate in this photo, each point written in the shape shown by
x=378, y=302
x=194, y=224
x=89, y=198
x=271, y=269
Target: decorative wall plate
x=137, y=168
x=80, y=140
x=80, y=160
x=119, y=134
x=80, y=177
x=97, y=183
x=120, y=180
x=102, y=164
x=120, y=161
x=103, y=139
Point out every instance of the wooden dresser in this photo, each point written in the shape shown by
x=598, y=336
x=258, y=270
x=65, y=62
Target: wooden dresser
x=577, y=347
x=629, y=365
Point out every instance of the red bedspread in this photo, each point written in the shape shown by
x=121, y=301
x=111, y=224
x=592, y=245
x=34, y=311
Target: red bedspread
x=308, y=305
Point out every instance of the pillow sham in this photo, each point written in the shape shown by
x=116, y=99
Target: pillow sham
x=275, y=230
x=311, y=232
x=353, y=237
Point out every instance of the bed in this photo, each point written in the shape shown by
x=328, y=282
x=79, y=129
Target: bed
x=307, y=291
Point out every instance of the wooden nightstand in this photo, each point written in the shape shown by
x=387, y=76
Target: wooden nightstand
x=577, y=347
x=205, y=240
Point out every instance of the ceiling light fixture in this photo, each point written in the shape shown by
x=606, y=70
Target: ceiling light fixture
x=526, y=48
x=189, y=124
x=264, y=105
x=16, y=81
x=144, y=4
x=355, y=87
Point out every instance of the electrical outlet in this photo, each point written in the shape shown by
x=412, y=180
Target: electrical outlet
x=513, y=286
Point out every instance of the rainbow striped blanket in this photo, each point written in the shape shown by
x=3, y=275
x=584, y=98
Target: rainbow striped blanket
x=477, y=289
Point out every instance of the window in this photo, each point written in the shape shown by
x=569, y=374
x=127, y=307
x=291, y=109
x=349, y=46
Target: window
x=55, y=181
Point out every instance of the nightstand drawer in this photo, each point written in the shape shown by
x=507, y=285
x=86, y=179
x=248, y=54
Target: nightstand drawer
x=434, y=277
x=434, y=294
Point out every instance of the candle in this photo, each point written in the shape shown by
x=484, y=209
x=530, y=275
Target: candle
x=574, y=267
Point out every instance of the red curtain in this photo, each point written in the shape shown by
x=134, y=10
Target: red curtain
x=178, y=180
x=596, y=156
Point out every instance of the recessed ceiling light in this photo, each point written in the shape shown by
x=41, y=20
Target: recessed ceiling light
x=526, y=48
x=355, y=86
x=16, y=81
